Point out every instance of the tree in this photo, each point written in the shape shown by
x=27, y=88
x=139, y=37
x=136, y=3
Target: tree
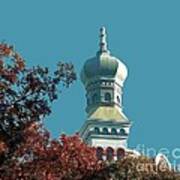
x=25, y=95
x=136, y=168
x=39, y=157
x=26, y=149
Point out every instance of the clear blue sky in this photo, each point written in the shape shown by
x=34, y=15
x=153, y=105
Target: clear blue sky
x=145, y=34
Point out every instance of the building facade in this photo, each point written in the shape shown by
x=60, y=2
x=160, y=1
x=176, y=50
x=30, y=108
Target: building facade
x=106, y=127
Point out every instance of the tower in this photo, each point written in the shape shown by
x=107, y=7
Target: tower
x=103, y=77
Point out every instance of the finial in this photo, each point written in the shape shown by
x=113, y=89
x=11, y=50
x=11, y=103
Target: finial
x=103, y=42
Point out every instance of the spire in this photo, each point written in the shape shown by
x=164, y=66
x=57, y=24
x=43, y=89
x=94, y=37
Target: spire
x=103, y=43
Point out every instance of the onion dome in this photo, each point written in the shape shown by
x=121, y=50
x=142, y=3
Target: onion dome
x=103, y=65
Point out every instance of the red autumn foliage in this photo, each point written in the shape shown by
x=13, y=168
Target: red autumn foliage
x=26, y=150
x=41, y=158
x=26, y=94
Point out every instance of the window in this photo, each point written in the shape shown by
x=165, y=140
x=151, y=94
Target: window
x=94, y=98
x=122, y=132
x=107, y=97
x=113, y=131
x=99, y=153
x=88, y=101
x=118, y=99
x=120, y=153
x=96, y=130
x=110, y=153
x=105, y=131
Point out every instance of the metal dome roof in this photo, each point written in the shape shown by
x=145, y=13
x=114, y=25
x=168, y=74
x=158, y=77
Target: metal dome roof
x=103, y=65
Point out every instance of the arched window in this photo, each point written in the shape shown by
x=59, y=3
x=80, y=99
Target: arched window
x=105, y=131
x=120, y=153
x=94, y=98
x=113, y=131
x=107, y=97
x=122, y=132
x=96, y=130
x=110, y=154
x=99, y=153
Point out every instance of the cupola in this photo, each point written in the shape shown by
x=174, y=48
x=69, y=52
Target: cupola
x=103, y=65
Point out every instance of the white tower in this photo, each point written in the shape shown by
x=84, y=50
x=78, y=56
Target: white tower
x=106, y=127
